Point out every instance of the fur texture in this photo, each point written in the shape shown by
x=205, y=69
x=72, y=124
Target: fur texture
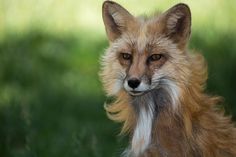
x=168, y=114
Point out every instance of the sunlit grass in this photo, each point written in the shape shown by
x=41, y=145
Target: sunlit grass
x=78, y=16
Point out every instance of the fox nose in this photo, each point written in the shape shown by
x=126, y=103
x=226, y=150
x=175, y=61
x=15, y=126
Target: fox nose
x=134, y=83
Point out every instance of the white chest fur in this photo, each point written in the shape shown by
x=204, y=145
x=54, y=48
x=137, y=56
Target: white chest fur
x=142, y=133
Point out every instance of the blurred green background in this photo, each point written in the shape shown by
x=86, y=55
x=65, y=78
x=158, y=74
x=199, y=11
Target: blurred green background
x=51, y=100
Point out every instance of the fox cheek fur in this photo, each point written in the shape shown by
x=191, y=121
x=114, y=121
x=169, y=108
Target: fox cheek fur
x=159, y=87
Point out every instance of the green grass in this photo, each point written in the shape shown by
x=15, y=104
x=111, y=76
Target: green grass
x=51, y=99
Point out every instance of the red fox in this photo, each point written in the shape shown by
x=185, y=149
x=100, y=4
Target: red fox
x=159, y=87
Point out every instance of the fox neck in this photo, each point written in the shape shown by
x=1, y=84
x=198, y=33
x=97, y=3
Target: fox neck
x=147, y=108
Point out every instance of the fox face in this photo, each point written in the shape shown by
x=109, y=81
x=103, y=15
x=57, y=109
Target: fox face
x=145, y=53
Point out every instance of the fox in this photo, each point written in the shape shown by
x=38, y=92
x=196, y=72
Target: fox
x=159, y=87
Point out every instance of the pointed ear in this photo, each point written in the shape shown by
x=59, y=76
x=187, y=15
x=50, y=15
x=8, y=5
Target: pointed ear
x=177, y=23
x=116, y=19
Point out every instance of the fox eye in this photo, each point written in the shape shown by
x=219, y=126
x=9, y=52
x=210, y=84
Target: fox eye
x=126, y=56
x=155, y=57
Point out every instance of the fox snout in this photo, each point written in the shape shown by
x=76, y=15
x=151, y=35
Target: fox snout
x=134, y=83
x=136, y=86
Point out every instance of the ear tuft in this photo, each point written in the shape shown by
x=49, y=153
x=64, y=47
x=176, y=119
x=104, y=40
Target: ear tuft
x=178, y=23
x=115, y=18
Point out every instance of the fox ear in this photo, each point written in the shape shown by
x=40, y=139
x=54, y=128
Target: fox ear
x=177, y=21
x=115, y=19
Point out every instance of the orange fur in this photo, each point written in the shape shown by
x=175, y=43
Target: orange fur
x=195, y=126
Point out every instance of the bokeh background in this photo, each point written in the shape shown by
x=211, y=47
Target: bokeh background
x=51, y=100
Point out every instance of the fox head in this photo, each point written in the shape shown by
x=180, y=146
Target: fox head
x=146, y=53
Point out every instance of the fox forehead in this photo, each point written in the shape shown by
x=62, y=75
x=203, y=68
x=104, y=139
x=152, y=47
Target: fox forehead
x=142, y=38
x=144, y=35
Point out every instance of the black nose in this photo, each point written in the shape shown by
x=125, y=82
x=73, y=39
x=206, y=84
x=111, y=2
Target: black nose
x=133, y=83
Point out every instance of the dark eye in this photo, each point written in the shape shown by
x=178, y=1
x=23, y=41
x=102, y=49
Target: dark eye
x=155, y=57
x=126, y=56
